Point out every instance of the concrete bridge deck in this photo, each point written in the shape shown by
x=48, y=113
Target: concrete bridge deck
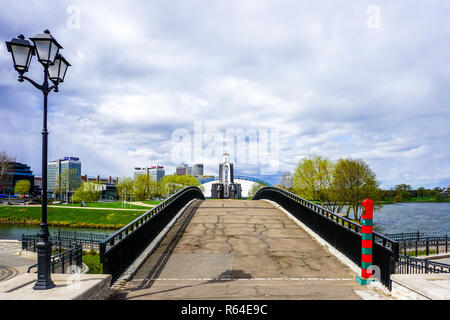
x=235, y=249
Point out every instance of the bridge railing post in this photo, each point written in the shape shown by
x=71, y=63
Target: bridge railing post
x=366, y=244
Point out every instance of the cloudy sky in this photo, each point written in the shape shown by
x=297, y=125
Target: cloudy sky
x=362, y=79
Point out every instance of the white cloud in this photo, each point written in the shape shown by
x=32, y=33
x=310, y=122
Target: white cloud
x=313, y=71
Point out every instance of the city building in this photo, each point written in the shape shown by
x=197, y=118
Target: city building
x=107, y=186
x=183, y=169
x=197, y=170
x=56, y=168
x=155, y=172
x=19, y=171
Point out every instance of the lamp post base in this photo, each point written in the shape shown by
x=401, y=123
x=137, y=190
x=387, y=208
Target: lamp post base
x=44, y=280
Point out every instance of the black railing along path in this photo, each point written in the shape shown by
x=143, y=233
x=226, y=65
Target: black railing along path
x=70, y=254
x=340, y=232
x=121, y=249
x=409, y=265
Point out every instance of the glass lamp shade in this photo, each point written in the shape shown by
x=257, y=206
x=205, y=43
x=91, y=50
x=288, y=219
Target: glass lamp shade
x=21, y=52
x=46, y=47
x=57, y=71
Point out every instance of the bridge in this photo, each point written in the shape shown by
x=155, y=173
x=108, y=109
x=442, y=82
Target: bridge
x=271, y=247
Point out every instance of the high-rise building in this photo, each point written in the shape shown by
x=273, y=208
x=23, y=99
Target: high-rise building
x=197, y=170
x=56, y=168
x=155, y=172
x=183, y=169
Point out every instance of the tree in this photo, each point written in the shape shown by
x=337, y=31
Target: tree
x=22, y=187
x=144, y=187
x=254, y=189
x=398, y=198
x=6, y=166
x=66, y=181
x=402, y=187
x=124, y=187
x=313, y=180
x=171, y=184
x=88, y=192
x=421, y=192
x=440, y=197
x=354, y=181
x=286, y=181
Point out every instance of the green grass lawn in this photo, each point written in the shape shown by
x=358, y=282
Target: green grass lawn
x=112, y=205
x=414, y=200
x=93, y=262
x=153, y=202
x=68, y=217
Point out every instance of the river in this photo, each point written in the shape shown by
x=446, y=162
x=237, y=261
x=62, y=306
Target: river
x=430, y=218
x=15, y=231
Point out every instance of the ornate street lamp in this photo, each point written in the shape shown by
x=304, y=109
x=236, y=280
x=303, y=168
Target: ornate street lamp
x=55, y=67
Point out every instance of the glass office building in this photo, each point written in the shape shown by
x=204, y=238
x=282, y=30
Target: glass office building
x=57, y=167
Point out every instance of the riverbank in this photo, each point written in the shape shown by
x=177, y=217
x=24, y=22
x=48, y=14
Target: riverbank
x=69, y=217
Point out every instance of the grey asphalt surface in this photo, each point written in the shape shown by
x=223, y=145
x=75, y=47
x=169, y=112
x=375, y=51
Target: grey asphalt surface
x=12, y=264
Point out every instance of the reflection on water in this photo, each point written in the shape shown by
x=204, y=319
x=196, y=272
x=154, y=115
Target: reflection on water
x=15, y=231
x=429, y=218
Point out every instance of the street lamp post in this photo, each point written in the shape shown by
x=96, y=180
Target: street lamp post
x=55, y=67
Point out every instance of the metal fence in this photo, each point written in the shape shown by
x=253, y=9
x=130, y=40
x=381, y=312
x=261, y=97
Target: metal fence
x=341, y=233
x=409, y=265
x=119, y=250
x=410, y=236
x=69, y=253
x=415, y=242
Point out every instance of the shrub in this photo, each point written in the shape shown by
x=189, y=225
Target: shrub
x=441, y=197
x=398, y=198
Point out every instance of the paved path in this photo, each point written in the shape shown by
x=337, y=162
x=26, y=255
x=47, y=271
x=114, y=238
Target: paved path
x=230, y=249
x=12, y=264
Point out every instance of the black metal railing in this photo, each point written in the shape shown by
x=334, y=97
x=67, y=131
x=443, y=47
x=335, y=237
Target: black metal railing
x=121, y=249
x=87, y=240
x=409, y=265
x=424, y=245
x=69, y=254
x=405, y=236
x=342, y=233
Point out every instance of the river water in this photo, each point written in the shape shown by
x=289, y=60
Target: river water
x=429, y=218
x=15, y=231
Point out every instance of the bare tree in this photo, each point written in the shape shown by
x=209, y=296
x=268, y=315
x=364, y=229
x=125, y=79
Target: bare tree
x=6, y=166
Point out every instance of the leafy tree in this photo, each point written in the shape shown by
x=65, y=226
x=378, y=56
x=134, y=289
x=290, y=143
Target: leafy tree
x=398, y=198
x=144, y=187
x=66, y=182
x=404, y=194
x=173, y=183
x=88, y=192
x=313, y=180
x=22, y=187
x=441, y=197
x=421, y=192
x=402, y=187
x=353, y=181
x=124, y=185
